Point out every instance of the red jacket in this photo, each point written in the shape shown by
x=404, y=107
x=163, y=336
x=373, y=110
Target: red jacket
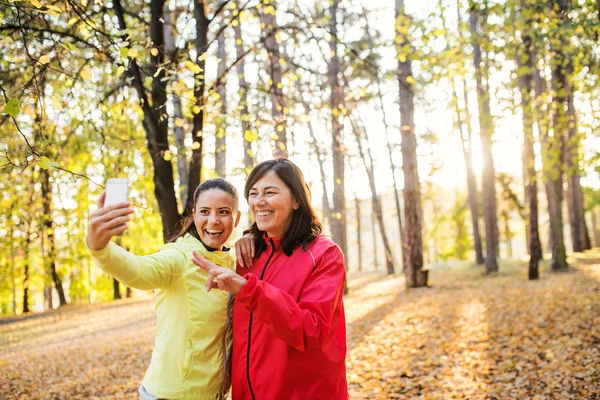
x=289, y=328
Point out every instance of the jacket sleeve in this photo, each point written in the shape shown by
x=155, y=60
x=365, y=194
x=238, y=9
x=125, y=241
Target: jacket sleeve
x=154, y=271
x=306, y=323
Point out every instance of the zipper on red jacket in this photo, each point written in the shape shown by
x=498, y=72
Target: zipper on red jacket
x=250, y=326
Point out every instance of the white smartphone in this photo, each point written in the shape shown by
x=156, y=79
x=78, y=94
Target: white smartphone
x=117, y=191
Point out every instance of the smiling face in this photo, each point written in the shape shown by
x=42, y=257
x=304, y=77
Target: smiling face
x=272, y=204
x=215, y=217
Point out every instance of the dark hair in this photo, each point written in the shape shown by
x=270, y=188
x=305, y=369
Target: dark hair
x=187, y=224
x=305, y=225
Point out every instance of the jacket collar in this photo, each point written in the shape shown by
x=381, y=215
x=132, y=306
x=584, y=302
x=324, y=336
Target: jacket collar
x=275, y=240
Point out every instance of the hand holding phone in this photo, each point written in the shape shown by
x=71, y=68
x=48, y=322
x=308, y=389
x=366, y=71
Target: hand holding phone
x=105, y=223
x=117, y=191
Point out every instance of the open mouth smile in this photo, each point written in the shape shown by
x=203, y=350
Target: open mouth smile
x=213, y=232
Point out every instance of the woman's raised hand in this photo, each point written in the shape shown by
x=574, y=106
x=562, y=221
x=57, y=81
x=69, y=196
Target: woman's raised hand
x=106, y=222
x=218, y=277
x=244, y=250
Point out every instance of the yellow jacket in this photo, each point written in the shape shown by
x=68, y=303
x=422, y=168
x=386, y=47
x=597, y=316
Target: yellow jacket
x=193, y=328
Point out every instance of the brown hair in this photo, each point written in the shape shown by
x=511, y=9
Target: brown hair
x=187, y=224
x=305, y=225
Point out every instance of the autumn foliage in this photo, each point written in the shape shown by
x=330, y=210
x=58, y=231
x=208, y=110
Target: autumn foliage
x=468, y=336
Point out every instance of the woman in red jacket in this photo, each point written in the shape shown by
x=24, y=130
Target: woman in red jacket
x=289, y=332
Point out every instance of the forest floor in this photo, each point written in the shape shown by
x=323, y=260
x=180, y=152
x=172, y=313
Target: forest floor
x=467, y=336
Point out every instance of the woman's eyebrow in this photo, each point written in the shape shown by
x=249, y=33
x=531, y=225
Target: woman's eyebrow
x=265, y=188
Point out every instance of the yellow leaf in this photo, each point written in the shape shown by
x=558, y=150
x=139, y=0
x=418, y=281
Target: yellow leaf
x=196, y=146
x=57, y=104
x=86, y=73
x=132, y=53
x=195, y=68
x=154, y=51
x=179, y=122
x=53, y=8
x=250, y=136
x=167, y=155
x=44, y=59
x=203, y=56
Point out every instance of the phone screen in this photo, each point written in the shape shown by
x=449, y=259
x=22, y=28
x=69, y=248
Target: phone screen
x=117, y=191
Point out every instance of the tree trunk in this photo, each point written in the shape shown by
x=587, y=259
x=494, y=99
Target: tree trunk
x=466, y=142
x=182, y=166
x=573, y=193
x=154, y=122
x=201, y=46
x=394, y=179
x=268, y=18
x=542, y=111
x=116, y=290
x=221, y=133
x=373, y=231
x=12, y=270
x=507, y=234
x=416, y=276
x=48, y=224
x=579, y=234
x=488, y=178
x=358, y=232
x=524, y=162
x=249, y=135
x=467, y=146
x=526, y=58
x=389, y=148
x=555, y=151
x=26, y=270
x=318, y=155
x=338, y=220
x=595, y=230
x=368, y=163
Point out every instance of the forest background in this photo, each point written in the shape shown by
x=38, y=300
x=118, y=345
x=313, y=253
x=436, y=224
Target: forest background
x=429, y=131
x=452, y=144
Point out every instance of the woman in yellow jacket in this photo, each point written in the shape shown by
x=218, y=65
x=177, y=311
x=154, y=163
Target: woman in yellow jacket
x=193, y=331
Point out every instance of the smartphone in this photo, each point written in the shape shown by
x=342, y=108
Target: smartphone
x=117, y=191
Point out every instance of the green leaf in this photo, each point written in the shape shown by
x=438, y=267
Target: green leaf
x=12, y=107
x=46, y=163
